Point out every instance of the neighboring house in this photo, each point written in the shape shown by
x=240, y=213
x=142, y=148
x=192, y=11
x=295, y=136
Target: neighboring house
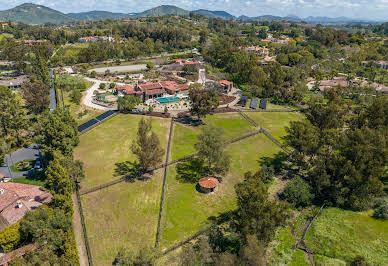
x=153, y=90
x=380, y=64
x=7, y=258
x=174, y=88
x=227, y=85
x=3, y=25
x=14, y=83
x=96, y=39
x=16, y=199
x=261, y=51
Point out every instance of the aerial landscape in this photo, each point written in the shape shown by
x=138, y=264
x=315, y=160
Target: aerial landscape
x=221, y=132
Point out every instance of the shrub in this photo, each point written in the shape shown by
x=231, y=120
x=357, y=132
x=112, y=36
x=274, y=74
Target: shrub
x=298, y=192
x=381, y=209
x=102, y=86
x=10, y=237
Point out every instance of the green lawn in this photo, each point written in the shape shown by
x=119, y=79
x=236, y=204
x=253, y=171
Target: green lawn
x=234, y=125
x=19, y=167
x=75, y=109
x=109, y=143
x=343, y=235
x=274, y=123
x=37, y=179
x=123, y=215
x=187, y=211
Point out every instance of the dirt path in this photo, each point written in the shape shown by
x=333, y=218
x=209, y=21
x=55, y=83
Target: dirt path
x=83, y=258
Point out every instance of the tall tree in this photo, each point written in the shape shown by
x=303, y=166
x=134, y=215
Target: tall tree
x=12, y=116
x=36, y=96
x=60, y=132
x=146, y=147
x=58, y=180
x=203, y=101
x=210, y=148
x=256, y=214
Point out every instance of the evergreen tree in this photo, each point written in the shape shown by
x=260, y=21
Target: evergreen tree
x=60, y=133
x=58, y=179
x=12, y=116
x=210, y=148
x=146, y=147
x=203, y=101
x=36, y=96
x=256, y=214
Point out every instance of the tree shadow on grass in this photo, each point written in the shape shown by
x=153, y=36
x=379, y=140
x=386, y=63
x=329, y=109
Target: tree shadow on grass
x=130, y=171
x=277, y=162
x=189, y=121
x=190, y=171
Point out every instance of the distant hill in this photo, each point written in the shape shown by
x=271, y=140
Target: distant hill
x=162, y=11
x=214, y=14
x=35, y=14
x=38, y=14
x=97, y=15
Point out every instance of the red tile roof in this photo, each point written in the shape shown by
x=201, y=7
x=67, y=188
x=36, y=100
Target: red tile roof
x=173, y=86
x=129, y=89
x=154, y=91
x=225, y=82
x=150, y=86
x=208, y=182
x=4, y=260
x=28, y=196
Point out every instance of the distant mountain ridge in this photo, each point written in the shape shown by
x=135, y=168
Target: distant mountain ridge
x=37, y=14
x=97, y=15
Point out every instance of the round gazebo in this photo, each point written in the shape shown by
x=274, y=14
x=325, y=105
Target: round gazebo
x=208, y=184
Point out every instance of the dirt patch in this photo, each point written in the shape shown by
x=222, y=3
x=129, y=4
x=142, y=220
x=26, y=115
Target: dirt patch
x=83, y=258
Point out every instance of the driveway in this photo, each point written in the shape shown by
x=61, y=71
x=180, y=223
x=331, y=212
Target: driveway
x=87, y=99
x=32, y=152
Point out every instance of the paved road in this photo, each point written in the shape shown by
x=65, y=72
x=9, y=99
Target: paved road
x=120, y=69
x=87, y=99
x=53, y=94
x=32, y=152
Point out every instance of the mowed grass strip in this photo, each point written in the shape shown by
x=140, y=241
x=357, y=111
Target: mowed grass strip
x=345, y=234
x=186, y=136
x=109, y=143
x=76, y=109
x=124, y=215
x=275, y=123
x=187, y=211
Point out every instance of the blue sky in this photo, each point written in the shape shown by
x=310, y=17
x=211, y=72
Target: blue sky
x=372, y=9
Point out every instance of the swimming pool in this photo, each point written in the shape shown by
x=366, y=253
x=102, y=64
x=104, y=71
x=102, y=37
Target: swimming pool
x=168, y=99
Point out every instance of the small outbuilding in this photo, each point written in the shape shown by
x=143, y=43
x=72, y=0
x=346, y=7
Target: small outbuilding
x=208, y=184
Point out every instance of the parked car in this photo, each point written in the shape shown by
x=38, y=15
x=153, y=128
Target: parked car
x=38, y=164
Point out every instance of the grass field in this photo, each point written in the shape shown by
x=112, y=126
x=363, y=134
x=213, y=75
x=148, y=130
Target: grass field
x=343, y=235
x=187, y=211
x=124, y=215
x=274, y=123
x=234, y=125
x=109, y=143
x=75, y=109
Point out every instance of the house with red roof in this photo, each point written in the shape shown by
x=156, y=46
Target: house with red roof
x=16, y=199
x=227, y=85
x=152, y=90
x=7, y=258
